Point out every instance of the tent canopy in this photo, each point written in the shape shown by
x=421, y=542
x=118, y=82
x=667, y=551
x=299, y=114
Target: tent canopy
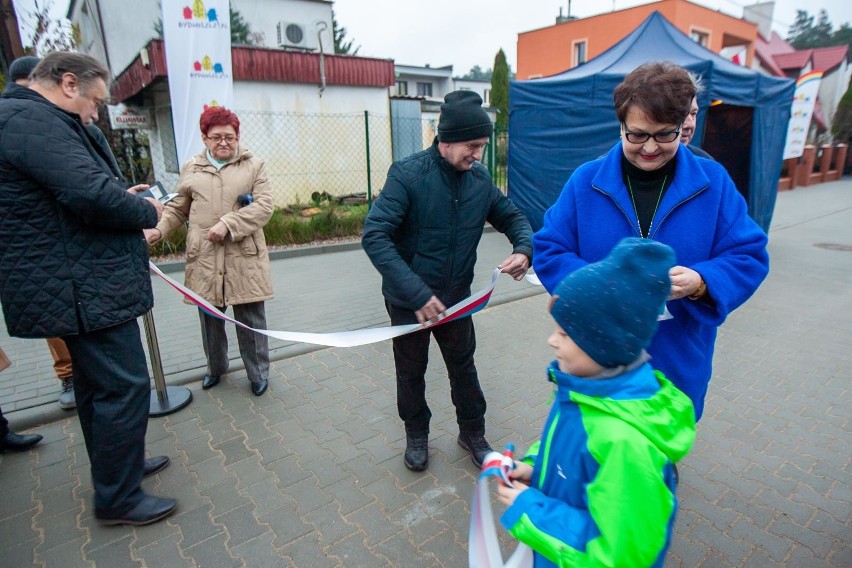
x=559, y=122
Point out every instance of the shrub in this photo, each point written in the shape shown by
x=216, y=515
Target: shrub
x=289, y=227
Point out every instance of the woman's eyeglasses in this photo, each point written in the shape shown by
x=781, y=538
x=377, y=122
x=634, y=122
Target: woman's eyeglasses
x=217, y=138
x=663, y=137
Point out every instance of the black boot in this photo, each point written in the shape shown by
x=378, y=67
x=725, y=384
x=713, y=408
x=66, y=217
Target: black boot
x=475, y=443
x=416, y=451
x=18, y=442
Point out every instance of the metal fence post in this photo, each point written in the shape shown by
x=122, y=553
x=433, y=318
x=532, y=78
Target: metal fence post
x=164, y=399
x=367, y=141
x=492, y=142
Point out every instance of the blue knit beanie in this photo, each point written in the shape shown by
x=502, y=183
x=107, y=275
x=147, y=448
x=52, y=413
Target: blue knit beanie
x=610, y=308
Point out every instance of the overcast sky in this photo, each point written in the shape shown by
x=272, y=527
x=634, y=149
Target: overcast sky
x=464, y=33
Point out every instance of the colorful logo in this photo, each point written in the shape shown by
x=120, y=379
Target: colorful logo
x=213, y=104
x=200, y=16
x=207, y=66
x=198, y=12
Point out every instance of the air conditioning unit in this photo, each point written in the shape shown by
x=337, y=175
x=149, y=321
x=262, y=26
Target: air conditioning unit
x=292, y=34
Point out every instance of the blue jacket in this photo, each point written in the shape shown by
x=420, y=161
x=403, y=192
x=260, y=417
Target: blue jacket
x=72, y=254
x=602, y=491
x=422, y=232
x=702, y=217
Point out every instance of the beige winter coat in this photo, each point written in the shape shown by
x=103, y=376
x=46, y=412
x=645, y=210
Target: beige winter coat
x=235, y=271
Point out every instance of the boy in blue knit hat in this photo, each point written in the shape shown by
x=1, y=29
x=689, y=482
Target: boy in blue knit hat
x=599, y=487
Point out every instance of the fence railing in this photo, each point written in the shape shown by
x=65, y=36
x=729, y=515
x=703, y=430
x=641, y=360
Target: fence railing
x=306, y=154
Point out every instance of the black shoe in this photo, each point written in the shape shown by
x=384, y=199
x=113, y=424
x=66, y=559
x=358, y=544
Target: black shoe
x=150, y=510
x=19, y=442
x=155, y=464
x=259, y=387
x=416, y=451
x=475, y=443
x=209, y=382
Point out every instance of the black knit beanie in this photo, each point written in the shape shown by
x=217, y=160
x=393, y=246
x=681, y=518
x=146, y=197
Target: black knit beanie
x=610, y=308
x=22, y=67
x=463, y=118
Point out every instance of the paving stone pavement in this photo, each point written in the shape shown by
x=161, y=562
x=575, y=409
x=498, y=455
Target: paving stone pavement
x=311, y=475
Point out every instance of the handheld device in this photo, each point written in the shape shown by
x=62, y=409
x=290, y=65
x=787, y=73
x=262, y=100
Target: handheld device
x=158, y=192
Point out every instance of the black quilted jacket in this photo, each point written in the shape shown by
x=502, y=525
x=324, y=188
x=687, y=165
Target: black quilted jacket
x=72, y=256
x=422, y=231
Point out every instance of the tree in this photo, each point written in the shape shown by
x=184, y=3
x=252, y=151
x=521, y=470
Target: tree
x=50, y=35
x=341, y=46
x=500, y=89
x=477, y=74
x=804, y=34
x=841, y=125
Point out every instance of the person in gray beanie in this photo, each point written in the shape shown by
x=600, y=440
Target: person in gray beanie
x=599, y=488
x=21, y=68
x=421, y=234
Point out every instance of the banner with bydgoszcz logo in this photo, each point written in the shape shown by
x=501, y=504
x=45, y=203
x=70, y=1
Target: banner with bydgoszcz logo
x=804, y=101
x=197, y=34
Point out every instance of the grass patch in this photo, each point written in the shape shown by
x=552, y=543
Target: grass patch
x=290, y=227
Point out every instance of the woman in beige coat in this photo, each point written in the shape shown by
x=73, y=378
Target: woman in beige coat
x=224, y=193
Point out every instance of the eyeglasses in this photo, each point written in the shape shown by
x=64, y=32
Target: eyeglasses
x=663, y=137
x=218, y=138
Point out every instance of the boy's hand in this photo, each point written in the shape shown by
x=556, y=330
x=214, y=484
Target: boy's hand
x=507, y=495
x=522, y=472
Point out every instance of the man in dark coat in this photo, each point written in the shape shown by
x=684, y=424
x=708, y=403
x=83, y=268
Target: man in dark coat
x=421, y=234
x=73, y=264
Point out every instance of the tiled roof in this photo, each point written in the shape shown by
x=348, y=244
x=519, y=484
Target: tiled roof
x=262, y=64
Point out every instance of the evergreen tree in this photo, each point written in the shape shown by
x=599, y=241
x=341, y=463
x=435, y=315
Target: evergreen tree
x=341, y=46
x=500, y=89
x=804, y=34
x=841, y=125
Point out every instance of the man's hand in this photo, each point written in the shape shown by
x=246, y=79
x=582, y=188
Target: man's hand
x=431, y=311
x=218, y=233
x=137, y=188
x=152, y=235
x=157, y=205
x=685, y=282
x=515, y=266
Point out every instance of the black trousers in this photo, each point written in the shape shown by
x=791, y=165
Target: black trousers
x=457, y=341
x=4, y=425
x=113, y=392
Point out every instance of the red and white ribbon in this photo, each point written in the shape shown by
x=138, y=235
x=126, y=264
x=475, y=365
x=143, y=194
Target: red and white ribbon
x=467, y=307
x=483, y=547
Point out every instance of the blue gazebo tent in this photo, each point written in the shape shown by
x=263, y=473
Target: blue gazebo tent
x=559, y=122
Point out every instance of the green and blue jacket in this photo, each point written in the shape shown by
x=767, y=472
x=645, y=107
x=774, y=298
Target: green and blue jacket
x=603, y=487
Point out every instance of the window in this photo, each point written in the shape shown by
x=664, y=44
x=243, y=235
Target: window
x=702, y=38
x=486, y=96
x=166, y=131
x=579, y=52
x=402, y=88
x=424, y=89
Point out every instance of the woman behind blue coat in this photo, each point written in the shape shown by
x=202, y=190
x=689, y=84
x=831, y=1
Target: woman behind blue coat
x=650, y=186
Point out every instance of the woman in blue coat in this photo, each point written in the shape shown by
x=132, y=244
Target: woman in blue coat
x=649, y=186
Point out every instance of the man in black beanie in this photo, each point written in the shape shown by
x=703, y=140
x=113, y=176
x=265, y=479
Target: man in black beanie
x=421, y=234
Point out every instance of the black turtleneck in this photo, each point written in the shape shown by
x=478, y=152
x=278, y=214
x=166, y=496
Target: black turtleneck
x=646, y=189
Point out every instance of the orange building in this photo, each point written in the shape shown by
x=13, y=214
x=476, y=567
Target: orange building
x=565, y=45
